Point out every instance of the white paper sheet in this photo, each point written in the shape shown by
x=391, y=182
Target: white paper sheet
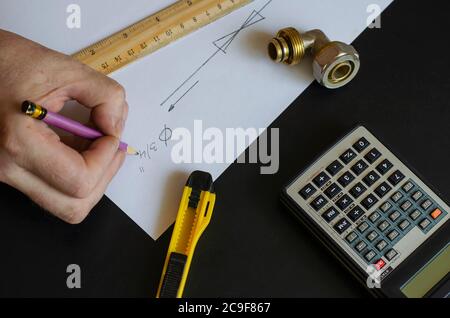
x=237, y=88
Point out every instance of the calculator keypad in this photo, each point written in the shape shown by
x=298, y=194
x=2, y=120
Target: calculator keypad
x=368, y=201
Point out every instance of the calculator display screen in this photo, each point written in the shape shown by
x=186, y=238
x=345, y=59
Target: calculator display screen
x=432, y=279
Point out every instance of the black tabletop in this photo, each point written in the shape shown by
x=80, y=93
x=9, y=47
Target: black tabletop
x=253, y=246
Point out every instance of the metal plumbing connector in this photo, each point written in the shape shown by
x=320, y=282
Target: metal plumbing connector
x=334, y=63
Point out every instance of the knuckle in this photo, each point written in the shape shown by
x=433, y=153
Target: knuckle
x=76, y=213
x=79, y=181
x=118, y=91
x=82, y=187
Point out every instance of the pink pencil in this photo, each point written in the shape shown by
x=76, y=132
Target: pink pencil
x=67, y=124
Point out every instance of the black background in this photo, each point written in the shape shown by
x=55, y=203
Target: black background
x=253, y=247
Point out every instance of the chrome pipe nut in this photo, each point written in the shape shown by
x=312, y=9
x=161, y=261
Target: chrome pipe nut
x=336, y=64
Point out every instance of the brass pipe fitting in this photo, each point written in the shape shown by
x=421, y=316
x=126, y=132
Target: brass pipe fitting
x=335, y=64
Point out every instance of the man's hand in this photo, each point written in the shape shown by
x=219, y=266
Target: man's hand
x=33, y=159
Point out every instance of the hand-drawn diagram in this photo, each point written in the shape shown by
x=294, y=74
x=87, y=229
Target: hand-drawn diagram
x=222, y=44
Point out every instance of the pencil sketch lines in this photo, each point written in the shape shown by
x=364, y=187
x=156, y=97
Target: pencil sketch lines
x=222, y=44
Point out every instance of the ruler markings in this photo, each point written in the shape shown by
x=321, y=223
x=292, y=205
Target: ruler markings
x=154, y=32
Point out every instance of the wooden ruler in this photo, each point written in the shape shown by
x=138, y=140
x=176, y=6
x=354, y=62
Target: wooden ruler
x=154, y=32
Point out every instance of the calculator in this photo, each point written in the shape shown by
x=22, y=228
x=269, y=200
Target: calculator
x=377, y=216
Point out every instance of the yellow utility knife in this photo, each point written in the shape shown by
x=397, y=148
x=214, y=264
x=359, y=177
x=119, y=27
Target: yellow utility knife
x=194, y=214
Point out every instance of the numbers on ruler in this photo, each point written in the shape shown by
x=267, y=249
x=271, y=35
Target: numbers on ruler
x=155, y=40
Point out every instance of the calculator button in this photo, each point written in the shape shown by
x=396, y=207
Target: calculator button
x=372, y=236
x=384, y=166
x=392, y=235
x=408, y=186
x=385, y=207
x=363, y=227
x=344, y=202
x=403, y=225
x=332, y=191
x=351, y=237
x=357, y=190
x=382, y=189
x=342, y=225
x=355, y=213
x=307, y=191
x=417, y=195
x=346, y=179
x=348, y=156
x=435, y=214
x=370, y=255
x=406, y=205
x=330, y=214
x=360, y=246
x=321, y=179
x=372, y=155
x=380, y=264
x=394, y=216
x=318, y=203
x=334, y=167
x=361, y=144
x=396, y=177
x=414, y=215
x=397, y=196
x=374, y=216
x=359, y=167
x=426, y=204
x=390, y=254
x=424, y=224
x=371, y=178
x=369, y=201
x=381, y=245
x=383, y=226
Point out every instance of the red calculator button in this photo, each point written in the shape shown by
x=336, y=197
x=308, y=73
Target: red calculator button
x=380, y=264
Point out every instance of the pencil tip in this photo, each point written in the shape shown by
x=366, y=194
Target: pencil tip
x=132, y=151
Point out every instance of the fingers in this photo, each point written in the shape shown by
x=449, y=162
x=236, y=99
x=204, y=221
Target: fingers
x=70, y=209
x=105, y=97
x=73, y=173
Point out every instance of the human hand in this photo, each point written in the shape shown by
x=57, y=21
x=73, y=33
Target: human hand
x=33, y=159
